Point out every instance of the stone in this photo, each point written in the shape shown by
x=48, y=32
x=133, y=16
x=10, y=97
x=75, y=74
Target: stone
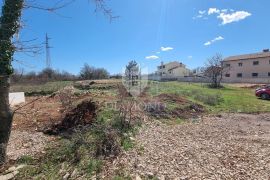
x=66, y=176
x=9, y=175
x=138, y=177
x=16, y=98
x=74, y=173
x=150, y=174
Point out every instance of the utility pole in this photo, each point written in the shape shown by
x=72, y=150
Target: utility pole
x=48, y=54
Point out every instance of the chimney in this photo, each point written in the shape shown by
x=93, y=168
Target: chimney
x=266, y=50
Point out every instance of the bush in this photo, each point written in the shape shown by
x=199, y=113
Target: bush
x=88, y=72
x=209, y=99
x=94, y=165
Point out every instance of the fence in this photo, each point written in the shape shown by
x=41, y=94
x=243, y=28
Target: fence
x=196, y=79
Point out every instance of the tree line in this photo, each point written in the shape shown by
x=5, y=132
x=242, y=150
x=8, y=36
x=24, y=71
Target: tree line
x=87, y=72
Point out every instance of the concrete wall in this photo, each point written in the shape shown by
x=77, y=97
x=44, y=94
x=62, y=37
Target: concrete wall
x=180, y=71
x=247, y=68
x=206, y=80
x=248, y=80
x=178, y=78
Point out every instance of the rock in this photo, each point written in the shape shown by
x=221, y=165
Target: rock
x=74, y=173
x=150, y=175
x=94, y=177
x=21, y=166
x=11, y=169
x=162, y=177
x=138, y=177
x=9, y=175
x=183, y=177
x=66, y=176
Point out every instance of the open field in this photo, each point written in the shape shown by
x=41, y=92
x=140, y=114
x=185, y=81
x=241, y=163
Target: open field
x=179, y=139
x=232, y=99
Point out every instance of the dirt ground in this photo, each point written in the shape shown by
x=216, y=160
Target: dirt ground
x=38, y=113
x=229, y=146
x=226, y=146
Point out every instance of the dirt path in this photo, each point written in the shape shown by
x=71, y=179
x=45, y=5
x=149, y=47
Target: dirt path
x=232, y=146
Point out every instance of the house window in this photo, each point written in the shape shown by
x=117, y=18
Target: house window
x=269, y=74
x=240, y=64
x=239, y=75
x=255, y=63
x=227, y=75
x=254, y=74
x=162, y=67
x=228, y=65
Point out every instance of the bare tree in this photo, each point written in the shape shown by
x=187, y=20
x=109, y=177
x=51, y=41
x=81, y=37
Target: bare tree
x=214, y=70
x=89, y=73
x=10, y=26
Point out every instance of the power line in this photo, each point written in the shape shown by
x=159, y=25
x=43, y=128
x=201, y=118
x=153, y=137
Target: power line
x=48, y=53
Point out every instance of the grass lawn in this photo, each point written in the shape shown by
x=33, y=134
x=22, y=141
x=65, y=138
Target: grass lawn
x=40, y=89
x=232, y=99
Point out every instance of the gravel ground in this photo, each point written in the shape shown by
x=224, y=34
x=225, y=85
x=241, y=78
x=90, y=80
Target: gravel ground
x=229, y=146
x=27, y=143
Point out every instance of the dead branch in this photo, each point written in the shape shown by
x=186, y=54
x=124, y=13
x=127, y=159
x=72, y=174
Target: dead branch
x=102, y=7
x=31, y=102
x=58, y=5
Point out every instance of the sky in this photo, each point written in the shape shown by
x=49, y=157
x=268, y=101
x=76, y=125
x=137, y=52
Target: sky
x=148, y=31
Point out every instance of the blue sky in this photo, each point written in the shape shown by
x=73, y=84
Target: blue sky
x=189, y=31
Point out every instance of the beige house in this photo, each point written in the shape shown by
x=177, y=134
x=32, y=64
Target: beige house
x=249, y=68
x=173, y=69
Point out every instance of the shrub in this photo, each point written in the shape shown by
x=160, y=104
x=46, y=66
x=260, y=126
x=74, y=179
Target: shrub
x=25, y=160
x=108, y=145
x=209, y=99
x=94, y=165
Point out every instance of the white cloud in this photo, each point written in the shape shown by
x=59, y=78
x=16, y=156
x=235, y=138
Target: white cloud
x=200, y=15
x=218, y=38
x=153, y=57
x=233, y=17
x=225, y=15
x=158, y=52
x=213, y=11
x=166, y=48
x=224, y=10
x=190, y=57
x=208, y=43
x=202, y=12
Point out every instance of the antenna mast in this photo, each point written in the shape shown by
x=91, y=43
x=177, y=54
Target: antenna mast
x=48, y=54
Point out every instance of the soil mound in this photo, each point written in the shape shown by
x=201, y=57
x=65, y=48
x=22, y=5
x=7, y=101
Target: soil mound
x=84, y=114
x=184, y=109
x=172, y=98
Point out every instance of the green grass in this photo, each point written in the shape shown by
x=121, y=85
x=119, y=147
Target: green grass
x=80, y=150
x=25, y=160
x=232, y=99
x=40, y=89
